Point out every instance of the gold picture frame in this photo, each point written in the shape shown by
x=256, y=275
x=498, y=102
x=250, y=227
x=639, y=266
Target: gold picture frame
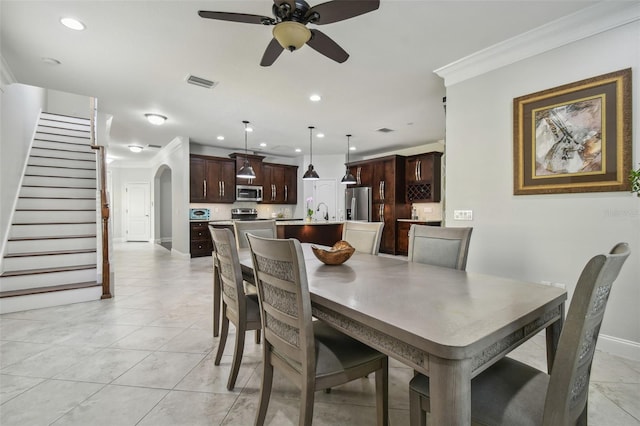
x=575, y=137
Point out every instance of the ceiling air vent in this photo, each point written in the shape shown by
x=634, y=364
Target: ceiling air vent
x=385, y=130
x=199, y=81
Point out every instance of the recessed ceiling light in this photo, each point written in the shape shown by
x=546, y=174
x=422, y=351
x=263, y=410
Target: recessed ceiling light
x=320, y=135
x=72, y=23
x=249, y=129
x=353, y=148
x=135, y=148
x=263, y=144
x=156, y=119
x=315, y=98
x=298, y=150
x=220, y=138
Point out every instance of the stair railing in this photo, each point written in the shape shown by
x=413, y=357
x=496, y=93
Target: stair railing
x=101, y=162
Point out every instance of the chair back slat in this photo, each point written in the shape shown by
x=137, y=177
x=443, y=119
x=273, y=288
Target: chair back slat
x=230, y=272
x=285, y=303
x=365, y=237
x=569, y=382
x=433, y=245
x=261, y=228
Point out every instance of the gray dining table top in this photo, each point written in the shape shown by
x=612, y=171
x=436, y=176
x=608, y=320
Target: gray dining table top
x=448, y=313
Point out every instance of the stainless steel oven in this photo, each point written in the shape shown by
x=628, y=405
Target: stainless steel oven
x=248, y=193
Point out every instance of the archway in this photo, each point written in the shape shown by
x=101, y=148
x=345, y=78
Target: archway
x=163, y=207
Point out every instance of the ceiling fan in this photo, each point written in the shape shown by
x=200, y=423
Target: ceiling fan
x=290, y=19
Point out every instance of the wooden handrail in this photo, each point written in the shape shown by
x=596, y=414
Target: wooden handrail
x=104, y=202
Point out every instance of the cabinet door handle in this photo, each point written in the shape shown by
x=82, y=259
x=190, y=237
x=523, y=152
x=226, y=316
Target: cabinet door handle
x=419, y=169
x=358, y=175
x=286, y=193
x=204, y=188
x=382, y=183
x=415, y=170
x=222, y=185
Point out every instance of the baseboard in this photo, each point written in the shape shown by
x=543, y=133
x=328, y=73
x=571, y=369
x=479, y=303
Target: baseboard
x=166, y=239
x=177, y=253
x=619, y=347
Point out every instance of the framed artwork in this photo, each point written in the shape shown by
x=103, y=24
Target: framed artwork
x=574, y=138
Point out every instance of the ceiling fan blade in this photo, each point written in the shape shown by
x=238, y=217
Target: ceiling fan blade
x=322, y=43
x=339, y=10
x=271, y=53
x=237, y=17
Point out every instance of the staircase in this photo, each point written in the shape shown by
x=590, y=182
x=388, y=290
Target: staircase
x=51, y=253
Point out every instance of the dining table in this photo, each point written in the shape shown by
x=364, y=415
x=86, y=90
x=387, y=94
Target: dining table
x=447, y=324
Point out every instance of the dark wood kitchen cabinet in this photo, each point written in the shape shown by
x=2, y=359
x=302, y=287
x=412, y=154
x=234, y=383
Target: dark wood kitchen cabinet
x=386, y=177
x=200, y=239
x=423, y=175
x=211, y=179
x=279, y=184
x=256, y=162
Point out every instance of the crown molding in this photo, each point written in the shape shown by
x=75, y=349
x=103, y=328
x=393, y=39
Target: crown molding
x=587, y=22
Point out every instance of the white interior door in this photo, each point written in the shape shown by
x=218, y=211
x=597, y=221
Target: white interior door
x=138, y=211
x=324, y=191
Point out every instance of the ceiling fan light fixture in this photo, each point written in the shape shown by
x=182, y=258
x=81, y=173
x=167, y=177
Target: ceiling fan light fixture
x=246, y=171
x=291, y=35
x=310, y=174
x=156, y=119
x=348, y=178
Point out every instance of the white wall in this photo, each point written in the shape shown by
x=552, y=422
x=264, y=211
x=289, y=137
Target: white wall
x=19, y=111
x=543, y=237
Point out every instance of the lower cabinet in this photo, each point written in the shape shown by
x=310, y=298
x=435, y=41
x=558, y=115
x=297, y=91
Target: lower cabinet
x=200, y=242
x=324, y=234
x=403, y=234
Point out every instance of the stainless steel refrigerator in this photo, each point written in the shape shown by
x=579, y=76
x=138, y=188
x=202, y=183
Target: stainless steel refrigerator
x=357, y=203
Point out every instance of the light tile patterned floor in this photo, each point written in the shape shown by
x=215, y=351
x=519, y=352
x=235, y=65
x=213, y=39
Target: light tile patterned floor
x=146, y=358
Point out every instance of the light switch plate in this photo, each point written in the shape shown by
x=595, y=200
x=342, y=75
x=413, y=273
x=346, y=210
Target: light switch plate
x=463, y=215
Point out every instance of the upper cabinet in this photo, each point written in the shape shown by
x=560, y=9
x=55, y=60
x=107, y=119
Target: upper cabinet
x=279, y=184
x=256, y=162
x=423, y=175
x=211, y=179
x=363, y=172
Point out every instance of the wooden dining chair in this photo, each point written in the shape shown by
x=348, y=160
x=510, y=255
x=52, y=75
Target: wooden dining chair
x=512, y=393
x=261, y=228
x=363, y=236
x=237, y=307
x=216, y=286
x=311, y=354
x=433, y=245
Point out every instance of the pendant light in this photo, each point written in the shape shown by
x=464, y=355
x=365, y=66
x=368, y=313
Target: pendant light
x=246, y=172
x=310, y=174
x=348, y=178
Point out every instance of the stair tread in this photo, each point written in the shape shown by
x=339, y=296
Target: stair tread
x=62, y=158
x=56, y=198
x=55, y=210
x=47, y=270
x=60, y=177
x=49, y=253
x=55, y=223
x=60, y=237
x=39, y=290
x=50, y=186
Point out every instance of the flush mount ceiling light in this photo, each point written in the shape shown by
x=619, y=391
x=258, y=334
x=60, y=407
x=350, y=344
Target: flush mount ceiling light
x=156, y=119
x=348, y=178
x=320, y=135
x=310, y=174
x=220, y=138
x=246, y=172
x=135, y=148
x=72, y=23
x=315, y=98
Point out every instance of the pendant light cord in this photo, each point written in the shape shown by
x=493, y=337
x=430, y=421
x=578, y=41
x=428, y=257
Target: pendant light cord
x=311, y=144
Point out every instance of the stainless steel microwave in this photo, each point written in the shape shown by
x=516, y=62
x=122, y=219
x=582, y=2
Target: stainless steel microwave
x=248, y=193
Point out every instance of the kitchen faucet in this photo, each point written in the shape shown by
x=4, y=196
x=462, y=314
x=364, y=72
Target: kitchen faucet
x=326, y=210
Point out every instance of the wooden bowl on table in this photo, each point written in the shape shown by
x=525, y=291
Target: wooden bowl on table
x=336, y=255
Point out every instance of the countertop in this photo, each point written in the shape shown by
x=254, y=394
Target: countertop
x=282, y=222
x=418, y=220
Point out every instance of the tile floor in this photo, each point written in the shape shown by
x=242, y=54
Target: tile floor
x=146, y=358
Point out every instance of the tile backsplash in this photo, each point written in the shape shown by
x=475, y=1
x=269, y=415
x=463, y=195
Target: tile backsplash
x=265, y=211
x=429, y=211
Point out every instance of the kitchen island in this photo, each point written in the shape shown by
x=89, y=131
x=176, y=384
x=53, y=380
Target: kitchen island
x=324, y=232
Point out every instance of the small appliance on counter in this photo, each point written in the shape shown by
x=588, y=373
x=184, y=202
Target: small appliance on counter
x=244, y=213
x=199, y=214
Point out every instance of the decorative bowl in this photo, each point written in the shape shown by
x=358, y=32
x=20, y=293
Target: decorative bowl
x=336, y=255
